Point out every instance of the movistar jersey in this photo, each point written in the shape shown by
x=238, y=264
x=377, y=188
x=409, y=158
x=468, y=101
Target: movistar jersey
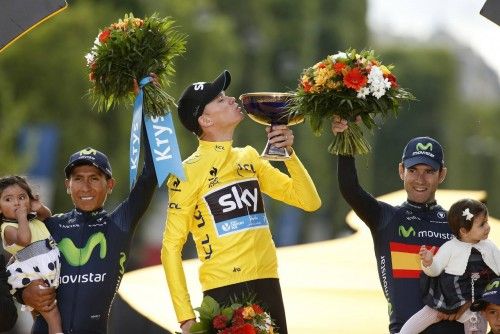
x=221, y=205
x=94, y=249
x=398, y=232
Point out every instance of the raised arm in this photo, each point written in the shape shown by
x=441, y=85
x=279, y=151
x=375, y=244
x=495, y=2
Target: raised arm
x=364, y=204
x=136, y=204
x=297, y=188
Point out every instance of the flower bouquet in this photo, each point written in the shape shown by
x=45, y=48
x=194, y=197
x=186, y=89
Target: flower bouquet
x=238, y=318
x=348, y=84
x=132, y=48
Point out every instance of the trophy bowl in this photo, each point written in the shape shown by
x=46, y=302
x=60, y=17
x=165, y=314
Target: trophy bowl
x=270, y=108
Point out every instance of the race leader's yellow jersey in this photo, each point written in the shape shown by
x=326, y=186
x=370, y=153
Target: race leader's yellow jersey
x=221, y=205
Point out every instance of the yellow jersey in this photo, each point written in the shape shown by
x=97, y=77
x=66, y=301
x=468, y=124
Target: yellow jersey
x=221, y=205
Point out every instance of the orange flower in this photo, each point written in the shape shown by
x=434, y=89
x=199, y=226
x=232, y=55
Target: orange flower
x=338, y=67
x=104, y=35
x=248, y=312
x=392, y=80
x=257, y=309
x=306, y=85
x=355, y=79
x=91, y=76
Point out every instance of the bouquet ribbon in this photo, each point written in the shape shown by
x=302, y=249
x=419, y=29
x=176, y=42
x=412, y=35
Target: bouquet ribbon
x=161, y=140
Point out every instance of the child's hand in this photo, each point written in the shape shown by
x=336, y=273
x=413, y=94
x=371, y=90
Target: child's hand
x=426, y=255
x=21, y=213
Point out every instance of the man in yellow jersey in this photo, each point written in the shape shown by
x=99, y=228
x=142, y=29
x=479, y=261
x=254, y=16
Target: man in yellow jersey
x=221, y=205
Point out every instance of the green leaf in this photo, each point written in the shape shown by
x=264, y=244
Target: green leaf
x=209, y=308
x=228, y=312
x=200, y=328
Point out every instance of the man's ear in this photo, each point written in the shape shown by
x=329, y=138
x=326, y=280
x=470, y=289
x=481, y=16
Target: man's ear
x=401, y=170
x=111, y=184
x=205, y=121
x=66, y=184
x=442, y=174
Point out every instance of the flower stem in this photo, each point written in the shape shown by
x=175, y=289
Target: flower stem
x=350, y=142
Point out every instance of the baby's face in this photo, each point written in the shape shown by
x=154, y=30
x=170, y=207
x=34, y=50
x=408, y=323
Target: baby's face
x=492, y=315
x=12, y=199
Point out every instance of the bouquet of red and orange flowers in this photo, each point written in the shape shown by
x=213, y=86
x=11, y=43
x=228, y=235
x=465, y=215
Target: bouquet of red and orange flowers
x=132, y=48
x=348, y=84
x=244, y=317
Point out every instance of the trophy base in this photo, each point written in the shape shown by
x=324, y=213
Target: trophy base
x=274, y=153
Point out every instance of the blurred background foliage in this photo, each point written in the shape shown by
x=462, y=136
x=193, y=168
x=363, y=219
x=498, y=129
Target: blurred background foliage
x=265, y=44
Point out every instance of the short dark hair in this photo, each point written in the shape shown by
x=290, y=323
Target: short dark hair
x=457, y=218
x=12, y=180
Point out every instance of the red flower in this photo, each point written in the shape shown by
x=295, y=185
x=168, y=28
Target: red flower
x=104, y=35
x=392, y=80
x=245, y=329
x=355, y=79
x=338, y=67
x=91, y=76
x=257, y=309
x=238, y=313
x=219, y=322
x=238, y=319
x=306, y=86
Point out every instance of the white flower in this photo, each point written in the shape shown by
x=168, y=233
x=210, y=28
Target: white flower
x=363, y=92
x=378, y=93
x=387, y=83
x=90, y=58
x=339, y=55
x=375, y=75
x=377, y=83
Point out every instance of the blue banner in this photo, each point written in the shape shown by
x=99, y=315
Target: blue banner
x=162, y=141
x=164, y=147
x=135, y=132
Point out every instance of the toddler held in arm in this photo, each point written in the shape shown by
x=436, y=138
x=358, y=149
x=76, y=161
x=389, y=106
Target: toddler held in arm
x=460, y=270
x=24, y=235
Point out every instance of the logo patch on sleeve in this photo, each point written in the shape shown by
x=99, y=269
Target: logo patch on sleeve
x=237, y=207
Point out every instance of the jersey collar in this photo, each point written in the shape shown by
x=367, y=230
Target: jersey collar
x=421, y=206
x=216, y=146
x=89, y=213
